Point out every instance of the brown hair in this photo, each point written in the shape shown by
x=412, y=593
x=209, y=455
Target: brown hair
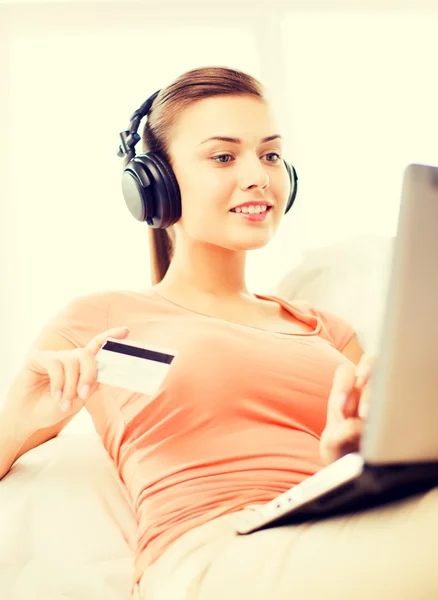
x=171, y=101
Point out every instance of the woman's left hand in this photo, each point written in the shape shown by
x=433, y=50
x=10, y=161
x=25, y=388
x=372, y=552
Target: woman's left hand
x=346, y=411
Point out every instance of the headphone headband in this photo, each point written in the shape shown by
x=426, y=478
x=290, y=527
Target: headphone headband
x=130, y=137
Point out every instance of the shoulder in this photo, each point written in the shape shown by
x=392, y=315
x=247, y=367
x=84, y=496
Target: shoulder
x=103, y=300
x=334, y=328
x=85, y=315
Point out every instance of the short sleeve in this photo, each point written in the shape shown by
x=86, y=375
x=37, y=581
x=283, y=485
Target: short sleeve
x=333, y=328
x=82, y=318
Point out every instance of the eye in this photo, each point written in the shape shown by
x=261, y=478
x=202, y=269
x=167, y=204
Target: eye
x=219, y=156
x=222, y=158
x=278, y=157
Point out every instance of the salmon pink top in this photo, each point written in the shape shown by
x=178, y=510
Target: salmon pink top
x=237, y=420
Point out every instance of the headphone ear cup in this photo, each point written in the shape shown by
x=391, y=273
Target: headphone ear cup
x=151, y=191
x=293, y=178
x=167, y=196
x=136, y=189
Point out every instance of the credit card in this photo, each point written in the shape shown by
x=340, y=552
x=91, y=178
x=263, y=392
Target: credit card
x=133, y=366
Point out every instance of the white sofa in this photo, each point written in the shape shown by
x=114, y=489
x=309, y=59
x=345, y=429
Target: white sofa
x=67, y=529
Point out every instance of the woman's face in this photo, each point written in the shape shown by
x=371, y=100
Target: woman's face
x=216, y=175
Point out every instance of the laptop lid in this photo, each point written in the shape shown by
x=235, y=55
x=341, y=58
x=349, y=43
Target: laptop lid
x=402, y=423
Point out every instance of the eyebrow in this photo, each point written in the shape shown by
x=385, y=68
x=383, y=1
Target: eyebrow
x=231, y=140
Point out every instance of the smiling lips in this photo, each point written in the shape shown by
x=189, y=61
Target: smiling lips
x=252, y=212
x=251, y=208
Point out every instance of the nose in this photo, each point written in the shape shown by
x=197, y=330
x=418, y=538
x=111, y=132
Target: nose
x=253, y=175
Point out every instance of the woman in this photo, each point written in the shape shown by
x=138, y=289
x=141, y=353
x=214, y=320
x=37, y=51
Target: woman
x=261, y=395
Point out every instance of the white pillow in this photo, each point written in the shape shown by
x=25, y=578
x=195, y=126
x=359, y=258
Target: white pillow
x=350, y=279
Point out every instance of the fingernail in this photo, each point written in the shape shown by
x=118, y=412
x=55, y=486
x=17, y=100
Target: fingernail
x=65, y=406
x=363, y=410
x=125, y=327
x=84, y=391
x=363, y=371
x=360, y=381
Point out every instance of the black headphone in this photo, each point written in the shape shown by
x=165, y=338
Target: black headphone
x=149, y=186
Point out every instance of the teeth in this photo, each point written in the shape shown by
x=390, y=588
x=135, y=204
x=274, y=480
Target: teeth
x=252, y=210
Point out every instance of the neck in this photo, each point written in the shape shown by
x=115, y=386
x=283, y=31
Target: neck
x=206, y=270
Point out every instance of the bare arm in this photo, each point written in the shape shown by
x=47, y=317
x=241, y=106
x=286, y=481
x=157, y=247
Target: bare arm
x=15, y=439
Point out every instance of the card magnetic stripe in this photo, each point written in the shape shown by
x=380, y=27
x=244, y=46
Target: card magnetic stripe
x=139, y=352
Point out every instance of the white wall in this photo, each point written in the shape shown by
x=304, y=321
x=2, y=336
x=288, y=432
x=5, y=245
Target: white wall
x=354, y=87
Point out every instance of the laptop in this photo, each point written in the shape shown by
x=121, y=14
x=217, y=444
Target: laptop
x=398, y=453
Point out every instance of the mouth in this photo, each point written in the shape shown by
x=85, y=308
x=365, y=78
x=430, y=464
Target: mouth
x=252, y=213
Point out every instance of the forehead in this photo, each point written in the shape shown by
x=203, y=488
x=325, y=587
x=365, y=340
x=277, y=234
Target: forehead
x=245, y=117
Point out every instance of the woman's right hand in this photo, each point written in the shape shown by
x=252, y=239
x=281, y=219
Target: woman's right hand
x=347, y=409
x=53, y=384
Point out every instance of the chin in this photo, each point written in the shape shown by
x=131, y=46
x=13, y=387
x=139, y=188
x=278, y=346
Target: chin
x=253, y=242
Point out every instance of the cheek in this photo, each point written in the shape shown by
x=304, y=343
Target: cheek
x=281, y=190
x=204, y=193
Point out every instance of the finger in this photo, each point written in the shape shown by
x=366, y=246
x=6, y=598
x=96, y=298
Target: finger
x=50, y=363
x=87, y=373
x=356, y=397
x=55, y=371
x=341, y=438
x=364, y=401
x=47, y=362
x=339, y=399
x=364, y=369
x=98, y=341
x=72, y=365
x=364, y=372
